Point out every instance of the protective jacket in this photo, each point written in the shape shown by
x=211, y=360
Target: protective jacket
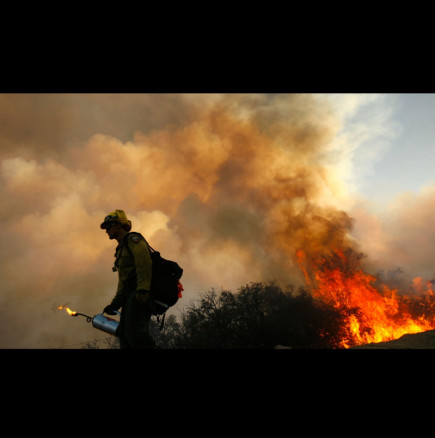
x=134, y=266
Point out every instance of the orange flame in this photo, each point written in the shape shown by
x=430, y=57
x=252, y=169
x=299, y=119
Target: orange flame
x=369, y=313
x=68, y=310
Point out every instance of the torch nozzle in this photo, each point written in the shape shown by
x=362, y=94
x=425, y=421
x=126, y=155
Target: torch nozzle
x=73, y=313
x=88, y=318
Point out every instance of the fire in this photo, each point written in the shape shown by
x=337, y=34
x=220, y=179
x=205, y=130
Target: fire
x=368, y=312
x=68, y=310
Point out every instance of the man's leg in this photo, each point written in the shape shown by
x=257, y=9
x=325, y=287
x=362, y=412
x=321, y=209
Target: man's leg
x=137, y=323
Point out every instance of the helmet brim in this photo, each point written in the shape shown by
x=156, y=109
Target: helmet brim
x=104, y=224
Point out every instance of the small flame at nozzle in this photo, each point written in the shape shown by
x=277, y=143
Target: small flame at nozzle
x=68, y=310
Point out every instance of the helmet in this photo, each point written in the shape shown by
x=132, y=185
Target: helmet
x=116, y=216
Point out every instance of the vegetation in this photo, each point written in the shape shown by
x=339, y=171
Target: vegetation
x=257, y=316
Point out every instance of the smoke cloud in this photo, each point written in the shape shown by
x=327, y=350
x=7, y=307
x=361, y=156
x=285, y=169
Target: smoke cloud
x=229, y=186
x=399, y=241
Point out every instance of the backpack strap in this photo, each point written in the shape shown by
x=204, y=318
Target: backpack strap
x=118, y=255
x=151, y=250
x=121, y=247
x=163, y=321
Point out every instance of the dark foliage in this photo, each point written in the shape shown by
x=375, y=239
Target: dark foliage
x=258, y=316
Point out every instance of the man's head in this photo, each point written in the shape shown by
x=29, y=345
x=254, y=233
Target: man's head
x=116, y=223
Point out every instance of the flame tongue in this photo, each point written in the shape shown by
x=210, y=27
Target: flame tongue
x=368, y=313
x=68, y=310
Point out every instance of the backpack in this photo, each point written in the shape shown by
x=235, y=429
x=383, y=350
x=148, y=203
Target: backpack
x=165, y=285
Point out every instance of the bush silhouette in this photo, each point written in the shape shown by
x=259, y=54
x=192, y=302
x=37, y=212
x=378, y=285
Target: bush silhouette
x=258, y=315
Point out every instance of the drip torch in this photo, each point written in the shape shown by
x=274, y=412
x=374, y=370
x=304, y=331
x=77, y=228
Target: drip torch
x=99, y=321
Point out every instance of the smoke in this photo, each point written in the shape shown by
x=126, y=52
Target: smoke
x=229, y=186
x=399, y=240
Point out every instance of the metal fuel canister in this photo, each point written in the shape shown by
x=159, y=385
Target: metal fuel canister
x=106, y=324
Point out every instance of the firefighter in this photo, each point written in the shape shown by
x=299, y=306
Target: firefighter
x=133, y=264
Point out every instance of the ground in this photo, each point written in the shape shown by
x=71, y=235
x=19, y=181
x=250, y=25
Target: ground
x=424, y=340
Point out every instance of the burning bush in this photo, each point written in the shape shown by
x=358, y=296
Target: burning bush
x=368, y=310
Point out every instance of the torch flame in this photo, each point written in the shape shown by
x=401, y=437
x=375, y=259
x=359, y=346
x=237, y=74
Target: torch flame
x=68, y=310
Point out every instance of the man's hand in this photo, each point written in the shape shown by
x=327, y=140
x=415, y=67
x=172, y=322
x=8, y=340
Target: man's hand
x=110, y=310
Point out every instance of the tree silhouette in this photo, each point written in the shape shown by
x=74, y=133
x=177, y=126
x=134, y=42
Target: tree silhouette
x=258, y=316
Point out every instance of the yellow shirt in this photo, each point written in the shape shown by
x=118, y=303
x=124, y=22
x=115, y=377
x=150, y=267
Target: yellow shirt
x=134, y=266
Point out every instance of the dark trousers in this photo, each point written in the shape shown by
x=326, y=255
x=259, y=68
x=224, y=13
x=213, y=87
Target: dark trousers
x=134, y=323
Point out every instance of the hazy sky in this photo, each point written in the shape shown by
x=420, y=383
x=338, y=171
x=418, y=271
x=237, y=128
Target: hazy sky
x=230, y=186
x=407, y=164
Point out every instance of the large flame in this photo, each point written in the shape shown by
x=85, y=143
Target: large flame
x=368, y=312
x=68, y=310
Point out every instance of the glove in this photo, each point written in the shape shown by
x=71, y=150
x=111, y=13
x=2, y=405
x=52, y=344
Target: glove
x=110, y=310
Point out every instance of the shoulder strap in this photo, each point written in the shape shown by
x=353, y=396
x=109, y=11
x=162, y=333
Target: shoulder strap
x=125, y=243
x=151, y=249
x=118, y=254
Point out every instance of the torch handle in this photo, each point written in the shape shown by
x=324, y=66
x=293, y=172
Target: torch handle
x=119, y=313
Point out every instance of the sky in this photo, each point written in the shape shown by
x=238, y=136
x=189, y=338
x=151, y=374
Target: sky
x=228, y=185
x=406, y=164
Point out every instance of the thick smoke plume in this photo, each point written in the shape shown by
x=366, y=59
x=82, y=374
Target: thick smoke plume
x=228, y=186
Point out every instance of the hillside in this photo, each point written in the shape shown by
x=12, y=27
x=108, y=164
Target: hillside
x=424, y=340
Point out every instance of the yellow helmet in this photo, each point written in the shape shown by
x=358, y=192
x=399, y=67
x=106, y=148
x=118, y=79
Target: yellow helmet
x=117, y=216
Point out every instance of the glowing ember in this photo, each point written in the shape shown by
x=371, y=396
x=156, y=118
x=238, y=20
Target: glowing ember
x=368, y=313
x=68, y=310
